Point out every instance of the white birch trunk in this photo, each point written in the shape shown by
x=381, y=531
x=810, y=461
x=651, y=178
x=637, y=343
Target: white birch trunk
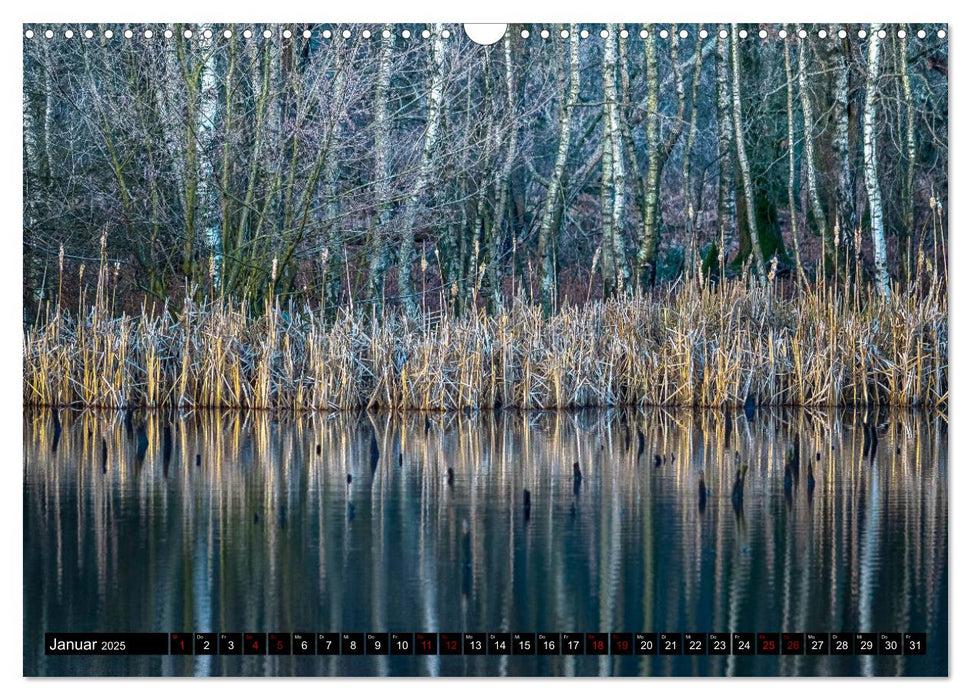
x=406, y=251
x=870, y=162
x=753, y=229
x=547, y=247
x=618, y=176
x=205, y=130
x=810, y=144
x=382, y=173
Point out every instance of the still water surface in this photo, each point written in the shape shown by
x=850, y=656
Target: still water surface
x=244, y=522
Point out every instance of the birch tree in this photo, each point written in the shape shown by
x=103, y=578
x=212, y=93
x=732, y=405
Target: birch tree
x=502, y=185
x=910, y=153
x=846, y=216
x=870, y=161
x=790, y=121
x=547, y=232
x=406, y=251
x=726, y=158
x=617, y=279
x=809, y=142
x=657, y=152
x=689, y=206
x=380, y=227
x=743, y=165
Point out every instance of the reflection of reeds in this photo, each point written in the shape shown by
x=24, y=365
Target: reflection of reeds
x=261, y=518
x=690, y=345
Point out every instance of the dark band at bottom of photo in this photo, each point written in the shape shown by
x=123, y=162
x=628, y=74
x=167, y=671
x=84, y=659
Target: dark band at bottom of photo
x=482, y=643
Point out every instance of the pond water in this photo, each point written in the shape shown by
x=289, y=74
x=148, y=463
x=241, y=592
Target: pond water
x=245, y=522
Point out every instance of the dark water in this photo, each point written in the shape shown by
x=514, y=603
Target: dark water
x=265, y=534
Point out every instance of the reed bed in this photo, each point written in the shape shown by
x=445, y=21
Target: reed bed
x=692, y=344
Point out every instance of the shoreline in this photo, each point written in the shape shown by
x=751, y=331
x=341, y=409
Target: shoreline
x=715, y=345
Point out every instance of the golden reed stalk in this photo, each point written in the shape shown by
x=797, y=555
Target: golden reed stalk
x=688, y=345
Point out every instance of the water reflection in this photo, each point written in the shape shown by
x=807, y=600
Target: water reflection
x=373, y=522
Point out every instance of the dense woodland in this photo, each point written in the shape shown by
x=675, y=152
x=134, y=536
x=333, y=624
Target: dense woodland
x=405, y=166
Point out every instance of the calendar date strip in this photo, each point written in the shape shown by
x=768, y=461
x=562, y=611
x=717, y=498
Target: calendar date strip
x=486, y=644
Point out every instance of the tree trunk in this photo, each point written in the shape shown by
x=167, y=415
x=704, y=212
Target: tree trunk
x=689, y=207
x=726, y=158
x=406, y=251
x=911, y=154
x=870, y=161
x=846, y=215
x=793, y=224
x=37, y=106
x=657, y=153
x=494, y=249
x=751, y=219
x=617, y=185
x=809, y=139
x=380, y=253
x=547, y=232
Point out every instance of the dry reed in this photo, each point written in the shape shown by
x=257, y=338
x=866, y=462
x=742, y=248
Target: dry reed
x=708, y=344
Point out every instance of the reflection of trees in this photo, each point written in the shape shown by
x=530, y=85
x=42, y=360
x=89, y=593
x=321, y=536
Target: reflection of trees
x=257, y=536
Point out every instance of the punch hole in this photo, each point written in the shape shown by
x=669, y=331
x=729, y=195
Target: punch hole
x=484, y=34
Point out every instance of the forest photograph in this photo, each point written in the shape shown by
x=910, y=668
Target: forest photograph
x=369, y=328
